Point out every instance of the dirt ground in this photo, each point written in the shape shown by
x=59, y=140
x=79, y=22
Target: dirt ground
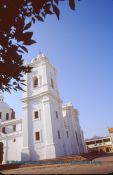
x=100, y=165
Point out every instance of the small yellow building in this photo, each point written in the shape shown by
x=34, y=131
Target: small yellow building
x=101, y=144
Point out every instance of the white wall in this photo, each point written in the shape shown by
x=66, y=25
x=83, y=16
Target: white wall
x=5, y=110
x=71, y=124
x=46, y=99
x=14, y=148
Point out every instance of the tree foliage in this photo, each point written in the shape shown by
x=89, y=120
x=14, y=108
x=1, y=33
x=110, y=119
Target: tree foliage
x=16, y=18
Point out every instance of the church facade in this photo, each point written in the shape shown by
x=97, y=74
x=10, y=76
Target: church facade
x=47, y=128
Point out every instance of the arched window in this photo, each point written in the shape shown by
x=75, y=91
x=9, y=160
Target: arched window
x=58, y=134
x=56, y=114
x=7, y=116
x=14, y=140
x=14, y=128
x=77, y=138
x=35, y=82
x=67, y=134
x=0, y=115
x=36, y=114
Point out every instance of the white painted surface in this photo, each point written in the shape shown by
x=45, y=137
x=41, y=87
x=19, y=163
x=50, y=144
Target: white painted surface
x=46, y=100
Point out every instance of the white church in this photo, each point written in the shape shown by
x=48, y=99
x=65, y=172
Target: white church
x=47, y=128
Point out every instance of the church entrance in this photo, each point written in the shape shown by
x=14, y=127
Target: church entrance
x=1, y=152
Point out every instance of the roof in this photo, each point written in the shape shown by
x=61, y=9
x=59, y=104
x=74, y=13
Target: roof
x=97, y=138
x=10, y=122
x=3, y=104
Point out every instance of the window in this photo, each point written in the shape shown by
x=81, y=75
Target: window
x=36, y=114
x=98, y=141
x=58, y=134
x=107, y=140
x=35, y=82
x=14, y=140
x=67, y=134
x=7, y=116
x=37, y=135
x=0, y=115
x=12, y=114
x=14, y=127
x=52, y=84
x=90, y=142
x=56, y=114
x=77, y=137
x=3, y=130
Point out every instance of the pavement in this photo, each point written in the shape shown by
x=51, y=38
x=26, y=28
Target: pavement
x=99, y=165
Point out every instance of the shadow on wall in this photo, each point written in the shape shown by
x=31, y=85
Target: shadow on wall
x=28, y=157
x=16, y=164
x=25, y=156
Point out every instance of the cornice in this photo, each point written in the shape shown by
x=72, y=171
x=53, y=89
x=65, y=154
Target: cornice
x=10, y=135
x=14, y=134
x=38, y=61
x=10, y=122
x=42, y=61
x=40, y=95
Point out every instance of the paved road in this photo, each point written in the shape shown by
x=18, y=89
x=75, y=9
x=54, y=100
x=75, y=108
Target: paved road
x=101, y=165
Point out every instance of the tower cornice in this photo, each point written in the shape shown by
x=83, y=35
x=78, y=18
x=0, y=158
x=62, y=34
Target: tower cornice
x=39, y=96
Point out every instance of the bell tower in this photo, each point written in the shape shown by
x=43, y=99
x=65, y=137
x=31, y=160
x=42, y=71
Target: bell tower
x=42, y=112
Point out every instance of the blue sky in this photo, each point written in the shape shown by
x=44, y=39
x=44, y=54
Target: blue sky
x=80, y=45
